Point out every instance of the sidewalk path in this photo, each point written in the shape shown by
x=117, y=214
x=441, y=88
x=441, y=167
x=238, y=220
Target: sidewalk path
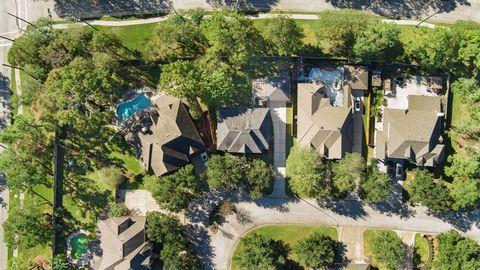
x=253, y=17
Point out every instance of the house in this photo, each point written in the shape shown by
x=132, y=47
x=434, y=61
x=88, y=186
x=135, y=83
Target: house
x=324, y=119
x=169, y=140
x=123, y=243
x=272, y=89
x=413, y=134
x=243, y=130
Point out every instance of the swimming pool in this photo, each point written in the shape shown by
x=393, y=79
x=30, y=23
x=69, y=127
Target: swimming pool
x=332, y=78
x=79, y=245
x=129, y=108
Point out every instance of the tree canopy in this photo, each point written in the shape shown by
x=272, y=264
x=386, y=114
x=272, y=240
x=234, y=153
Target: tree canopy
x=260, y=252
x=162, y=228
x=118, y=210
x=174, y=191
x=387, y=248
x=378, y=41
x=316, y=251
x=347, y=172
x=377, y=186
x=283, y=36
x=456, y=252
x=306, y=173
x=231, y=173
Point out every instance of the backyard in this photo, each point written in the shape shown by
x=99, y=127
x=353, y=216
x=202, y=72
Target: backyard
x=289, y=234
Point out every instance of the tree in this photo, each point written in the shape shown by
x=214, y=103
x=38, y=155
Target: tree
x=387, y=248
x=421, y=186
x=316, y=251
x=174, y=191
x=232, y=38
x=306, y=173
x=174, y=256
x=469, y=50
x=34, y=227
x=465, y=193
x=336, y=31
x=175, y=39
x=347, y=172
x=225, y=173
x=118, y=210
x=430, y=52
x=163, y=229
x=260, y=252
x=283, y=36
x=456, y=252
x=463, y=166
x=259, y=178
x=377, y=185
x=379, y=41
x=182, y=79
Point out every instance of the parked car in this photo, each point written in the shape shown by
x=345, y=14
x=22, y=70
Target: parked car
x=204, y=156
x=356, y=104
x=399, y=172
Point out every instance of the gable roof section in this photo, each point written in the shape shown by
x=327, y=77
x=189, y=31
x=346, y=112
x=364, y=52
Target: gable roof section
x=172, y=139
x=273, y=88
x=322, y=126
x=414, y=134
x=357, y=77
x=122, y=240
x=243, y=130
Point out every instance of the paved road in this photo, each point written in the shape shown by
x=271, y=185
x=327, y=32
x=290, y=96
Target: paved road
x=216, y=249
x=444, y=10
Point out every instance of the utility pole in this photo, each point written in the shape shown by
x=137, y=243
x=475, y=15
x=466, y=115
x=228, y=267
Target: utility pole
x=85, y=22
x=422, y=21
x=9, y=39
x=29, y=23
x=10, y=66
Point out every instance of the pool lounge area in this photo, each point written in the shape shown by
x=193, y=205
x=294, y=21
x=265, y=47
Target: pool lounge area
x=129, y=108
x=332, y=78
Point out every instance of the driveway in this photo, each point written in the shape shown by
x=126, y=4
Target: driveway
x=278, y=113
x=215, y=250
x=358, y=124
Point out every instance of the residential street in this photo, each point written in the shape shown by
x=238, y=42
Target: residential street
x=217, y=249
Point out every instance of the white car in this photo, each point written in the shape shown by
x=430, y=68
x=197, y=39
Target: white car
x=356, y=104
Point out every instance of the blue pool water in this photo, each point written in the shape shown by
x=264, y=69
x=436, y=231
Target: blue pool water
x=129, y=108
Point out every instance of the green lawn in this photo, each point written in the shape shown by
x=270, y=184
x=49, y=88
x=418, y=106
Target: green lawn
x=367, y=239
x=133, y=36
x=422, y=246
x=289, y=234
x=459, y=114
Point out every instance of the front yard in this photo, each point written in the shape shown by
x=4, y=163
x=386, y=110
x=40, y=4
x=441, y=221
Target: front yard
x=289, y=234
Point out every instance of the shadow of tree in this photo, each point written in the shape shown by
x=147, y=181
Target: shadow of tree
x=94, y=9
x=400, y=8
x=349, y=208
x=243, y=4
x=395, y=204
x=462, y=221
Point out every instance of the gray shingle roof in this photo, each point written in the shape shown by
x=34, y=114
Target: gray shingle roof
x=243, y=130
x=172, y=139
x=322, y=126
x=273, y=89
x=415, y=133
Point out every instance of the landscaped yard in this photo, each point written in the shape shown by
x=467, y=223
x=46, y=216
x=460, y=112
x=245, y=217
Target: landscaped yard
x=133, y=36
x=423, y=251
x=289, y=234
x=367, y=239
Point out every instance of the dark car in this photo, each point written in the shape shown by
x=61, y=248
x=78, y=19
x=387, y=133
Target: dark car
x=399, y=172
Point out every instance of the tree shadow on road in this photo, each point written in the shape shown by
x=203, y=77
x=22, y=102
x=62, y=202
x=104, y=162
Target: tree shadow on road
x=401, y=8
x=395, y=206
x=243, y=4
x=95, y=9
x=349, y=208
x=462, y=221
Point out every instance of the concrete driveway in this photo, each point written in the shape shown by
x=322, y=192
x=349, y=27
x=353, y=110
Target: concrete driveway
x=278, y=113
x=352, y=238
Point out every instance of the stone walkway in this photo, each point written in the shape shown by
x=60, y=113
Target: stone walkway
x=278, y=112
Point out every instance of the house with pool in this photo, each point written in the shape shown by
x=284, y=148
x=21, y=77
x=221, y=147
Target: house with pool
x=168, y=137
